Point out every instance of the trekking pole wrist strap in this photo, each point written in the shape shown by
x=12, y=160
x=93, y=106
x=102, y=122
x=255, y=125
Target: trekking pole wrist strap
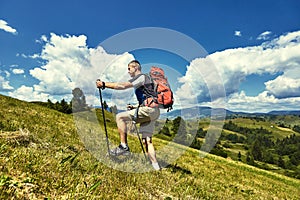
x=103, y=85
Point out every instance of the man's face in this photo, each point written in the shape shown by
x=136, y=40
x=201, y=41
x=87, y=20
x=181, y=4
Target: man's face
x=131, y=70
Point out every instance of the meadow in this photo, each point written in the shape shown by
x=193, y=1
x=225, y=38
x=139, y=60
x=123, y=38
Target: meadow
x=43, y=156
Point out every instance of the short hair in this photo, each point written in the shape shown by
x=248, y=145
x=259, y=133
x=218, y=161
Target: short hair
x=137, y=64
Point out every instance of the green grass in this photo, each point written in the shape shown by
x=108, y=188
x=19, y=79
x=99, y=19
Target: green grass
x=42, y=157
x=277, y=132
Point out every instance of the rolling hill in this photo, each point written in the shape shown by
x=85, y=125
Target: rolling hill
x=42, y=156
x=204, y=111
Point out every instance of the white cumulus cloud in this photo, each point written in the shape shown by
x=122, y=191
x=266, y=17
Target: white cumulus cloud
x=4, y=84
x=263, y=102
x=18, y=71
x=4, y=26
x=238, y=33
x=69, y=63
x=28, y=94
x=281, y=55
x=264, y=36
x=283, y=87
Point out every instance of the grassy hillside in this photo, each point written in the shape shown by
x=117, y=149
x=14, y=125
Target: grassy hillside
x=271, y=125
x=42, y=157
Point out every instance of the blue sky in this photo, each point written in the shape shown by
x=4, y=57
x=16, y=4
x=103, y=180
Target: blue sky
x=254, y=46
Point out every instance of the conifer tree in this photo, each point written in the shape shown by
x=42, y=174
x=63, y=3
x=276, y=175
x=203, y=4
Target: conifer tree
x=78, y=100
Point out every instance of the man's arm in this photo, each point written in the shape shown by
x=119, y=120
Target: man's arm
x=114, y=85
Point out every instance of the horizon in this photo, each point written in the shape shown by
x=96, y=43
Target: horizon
x=99, y=106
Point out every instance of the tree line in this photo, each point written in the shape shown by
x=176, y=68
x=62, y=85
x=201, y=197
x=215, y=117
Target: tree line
x=261, y=146
x=77, y=104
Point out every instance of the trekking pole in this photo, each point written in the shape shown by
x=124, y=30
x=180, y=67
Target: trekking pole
x=104, y=121
x=140, y=140
x=134, y=123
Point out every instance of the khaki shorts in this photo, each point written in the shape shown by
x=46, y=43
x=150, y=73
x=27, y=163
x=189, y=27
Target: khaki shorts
x=146, y=118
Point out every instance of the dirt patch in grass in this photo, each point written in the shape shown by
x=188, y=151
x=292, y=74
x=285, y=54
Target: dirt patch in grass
x=21, y=137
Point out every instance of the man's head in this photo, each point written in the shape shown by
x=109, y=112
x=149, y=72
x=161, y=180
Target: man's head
x=134, y=68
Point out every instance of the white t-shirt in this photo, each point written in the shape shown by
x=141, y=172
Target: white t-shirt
x=138, y=82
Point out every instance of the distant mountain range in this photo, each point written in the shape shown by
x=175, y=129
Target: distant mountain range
x=285, y=112
x=202, y=112
x=205, y=111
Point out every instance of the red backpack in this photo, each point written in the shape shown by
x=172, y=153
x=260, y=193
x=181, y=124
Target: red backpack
x=164, y=93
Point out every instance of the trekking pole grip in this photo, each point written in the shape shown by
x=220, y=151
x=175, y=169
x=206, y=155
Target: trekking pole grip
x=103, y=84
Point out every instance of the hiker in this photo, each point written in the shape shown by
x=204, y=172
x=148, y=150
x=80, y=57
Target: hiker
x=147, y=110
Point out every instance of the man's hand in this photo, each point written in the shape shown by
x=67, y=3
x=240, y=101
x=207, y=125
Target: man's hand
x=99, y=83
x=130, y=107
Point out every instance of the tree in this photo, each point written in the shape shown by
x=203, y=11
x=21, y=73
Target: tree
x=196, y=144
x=50, y=104
x=219, y=151
x=239, y=156
x=281, y=162
x=257, y=150
x=105, y=106
x=165, y=130
x=78, y=100
x=200, y=133
x=179, y=129
x=65, y=107
x=114, y=109
x=268, y=157
x=61, y=106
x=167, y=120
x=296, y=128
x=232, y=137
x=249, y=159
x=295, y=157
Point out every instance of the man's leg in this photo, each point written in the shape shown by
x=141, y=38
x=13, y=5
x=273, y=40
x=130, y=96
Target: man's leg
x=122, y=119
x=151, y=152
x=147, y=128
x=122, y=128
x=122, y=149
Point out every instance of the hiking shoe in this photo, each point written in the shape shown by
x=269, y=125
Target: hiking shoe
x=156, y=166
x=120, y=150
